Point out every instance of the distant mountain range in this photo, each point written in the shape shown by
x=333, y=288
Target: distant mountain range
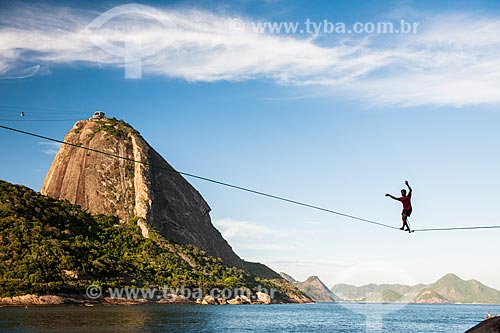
x=449, y=289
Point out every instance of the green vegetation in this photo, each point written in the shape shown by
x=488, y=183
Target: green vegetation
x=389, y=295
x=429, y=296
x=258, y=269
x=49, y=246
x=456, y=290
x=116, y=128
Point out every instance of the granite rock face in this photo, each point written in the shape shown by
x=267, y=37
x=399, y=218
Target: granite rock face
x=151, y=193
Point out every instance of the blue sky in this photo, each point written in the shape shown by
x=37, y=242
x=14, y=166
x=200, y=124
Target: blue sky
x=332, y=120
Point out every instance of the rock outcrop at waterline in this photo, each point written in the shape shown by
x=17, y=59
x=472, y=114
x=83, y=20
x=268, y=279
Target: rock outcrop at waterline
x=491, y=325
x=152, y=192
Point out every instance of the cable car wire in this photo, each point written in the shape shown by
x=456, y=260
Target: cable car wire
x=264, y=194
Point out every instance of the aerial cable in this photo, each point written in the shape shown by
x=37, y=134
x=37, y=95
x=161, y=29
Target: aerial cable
x=268, y=195
x=204, y=179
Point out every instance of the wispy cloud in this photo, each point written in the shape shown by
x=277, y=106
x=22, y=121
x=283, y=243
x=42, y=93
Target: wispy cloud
x=252, y=236
x=50, y=148
x=20, y=73
x=451, y=61
x=239, y=229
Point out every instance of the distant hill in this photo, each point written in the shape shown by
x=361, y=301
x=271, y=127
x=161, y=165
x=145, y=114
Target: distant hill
x=50, y=246
x=312, y=287
x=449, y=289
x=456, y=290
x=371, y=292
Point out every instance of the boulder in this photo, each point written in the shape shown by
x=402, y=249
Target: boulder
x=234, y=301
x=263, y=298
x=175, y=299
x=209, y=300
x=242, y=299
x=245, y=300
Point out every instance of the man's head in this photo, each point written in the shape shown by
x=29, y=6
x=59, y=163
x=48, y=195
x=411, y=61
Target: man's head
x=403, y=192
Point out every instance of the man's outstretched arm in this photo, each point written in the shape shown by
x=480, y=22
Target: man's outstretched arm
x=409, y=187
x=391, y=196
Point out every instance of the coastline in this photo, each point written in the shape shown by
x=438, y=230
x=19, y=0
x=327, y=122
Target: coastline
x=34, y=300
x=84, y=300
x=62, y=299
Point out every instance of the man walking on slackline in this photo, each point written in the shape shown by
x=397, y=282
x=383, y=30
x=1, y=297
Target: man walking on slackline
x=407, y=209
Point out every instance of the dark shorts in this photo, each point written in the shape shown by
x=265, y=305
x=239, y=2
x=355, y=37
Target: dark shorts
x=406, y=212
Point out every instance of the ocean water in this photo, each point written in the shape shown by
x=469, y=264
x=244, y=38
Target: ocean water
x=326, y=317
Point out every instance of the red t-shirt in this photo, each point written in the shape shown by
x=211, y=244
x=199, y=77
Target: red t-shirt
x=406, y=201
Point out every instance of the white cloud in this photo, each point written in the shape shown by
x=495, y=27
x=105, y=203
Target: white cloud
x=244, y=235
x=451, y=61
x=232, y=229
x=20, y=73
x=50, y=148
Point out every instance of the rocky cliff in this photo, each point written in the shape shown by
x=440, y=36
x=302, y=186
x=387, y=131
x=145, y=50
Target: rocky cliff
x=151, y=193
